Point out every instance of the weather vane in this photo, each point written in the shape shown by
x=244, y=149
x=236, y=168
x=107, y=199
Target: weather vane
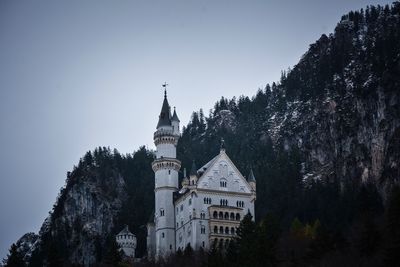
x=165, y=88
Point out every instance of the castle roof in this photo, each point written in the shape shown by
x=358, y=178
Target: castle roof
x=193, y=170
x=165, y=115
x=251, y=176
x=125, y=231
x=175, y=117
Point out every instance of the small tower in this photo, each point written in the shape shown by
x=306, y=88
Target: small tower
x=175, y=122
x=165, y=168
x=252, y=181
x=127, y=242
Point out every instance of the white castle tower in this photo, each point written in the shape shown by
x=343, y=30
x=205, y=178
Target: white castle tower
x=166, y=168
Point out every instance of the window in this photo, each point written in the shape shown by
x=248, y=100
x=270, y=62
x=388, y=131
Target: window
x=221, y=215
x=215, y=214
x=223, y=202
x=216, y=229
x=203, y=244
x=202, y=215
x=203, y=229
x=162, y=235
x=232, y=217
x=222, y=183
x=237, y=217
x=162, y=213
x=232, y=231
x=227, y=230
x=190, y=201
x=170, y=246
x=207, y=200
x=169, y=172
x=181, y=207
x=240, y=204
x=221, y=230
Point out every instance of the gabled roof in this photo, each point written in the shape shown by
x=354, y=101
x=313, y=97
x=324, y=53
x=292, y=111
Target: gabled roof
x=165, y=115
x=203, y=171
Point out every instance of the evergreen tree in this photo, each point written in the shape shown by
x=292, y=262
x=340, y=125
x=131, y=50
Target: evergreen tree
x=14, y=259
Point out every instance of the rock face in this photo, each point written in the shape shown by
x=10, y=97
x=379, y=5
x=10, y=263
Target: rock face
x=84, y=215
x=342, y=102
x=336, y=114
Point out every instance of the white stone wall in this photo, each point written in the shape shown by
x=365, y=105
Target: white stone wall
x=189, y=218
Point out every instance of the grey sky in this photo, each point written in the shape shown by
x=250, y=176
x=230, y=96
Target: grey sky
x=79, y=74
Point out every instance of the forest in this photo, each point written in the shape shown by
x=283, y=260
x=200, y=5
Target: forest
x=308, y=138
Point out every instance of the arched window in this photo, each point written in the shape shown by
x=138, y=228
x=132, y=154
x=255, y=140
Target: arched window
x=232, y=231
x=162, y=235
x=232, y=217
x=226, y=216
x=237, y=217
x=215, y=214
x=221, y=215
x=227, y=230
x=162, y=212
x=216, y=229
x=221, y=230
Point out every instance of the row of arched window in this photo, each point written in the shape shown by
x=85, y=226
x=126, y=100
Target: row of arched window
x=222, y=183
x=119, y=237
x=240, y=204
x=207, y=200
x=224, y=231
x=223, y=202
x=226, y=216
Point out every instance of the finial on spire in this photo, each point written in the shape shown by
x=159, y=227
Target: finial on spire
x=165, y=89
x=222, y=148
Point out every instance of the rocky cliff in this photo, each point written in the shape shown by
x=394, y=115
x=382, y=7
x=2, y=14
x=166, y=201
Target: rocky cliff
x=328, y=127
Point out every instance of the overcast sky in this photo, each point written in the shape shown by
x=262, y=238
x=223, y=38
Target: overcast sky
x=79, y=74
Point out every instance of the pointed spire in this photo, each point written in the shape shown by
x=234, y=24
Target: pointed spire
x=251, y=176
x=165, y=117
x=193, y=171
x=175, y=117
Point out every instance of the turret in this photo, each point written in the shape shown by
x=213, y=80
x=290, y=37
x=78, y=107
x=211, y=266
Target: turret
x=252, y=181
x=175, y=122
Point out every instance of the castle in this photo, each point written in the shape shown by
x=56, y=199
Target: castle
x=209, y=205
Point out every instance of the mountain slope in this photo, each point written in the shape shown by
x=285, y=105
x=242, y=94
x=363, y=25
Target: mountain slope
x=324, y=143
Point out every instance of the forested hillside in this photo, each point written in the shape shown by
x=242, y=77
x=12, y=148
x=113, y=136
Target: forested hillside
x=324, y=145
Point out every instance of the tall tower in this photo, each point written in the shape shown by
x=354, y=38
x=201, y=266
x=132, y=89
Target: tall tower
x=166, y=168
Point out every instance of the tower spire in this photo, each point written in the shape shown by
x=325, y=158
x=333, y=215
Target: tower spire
x=165, y=89
x=165, y=114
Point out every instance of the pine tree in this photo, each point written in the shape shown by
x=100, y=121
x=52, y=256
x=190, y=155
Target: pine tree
x=14, y=259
